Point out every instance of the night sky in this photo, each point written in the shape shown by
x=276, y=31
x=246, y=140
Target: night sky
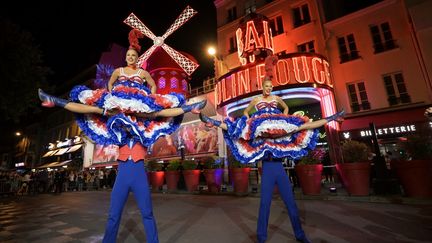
x=73, y=34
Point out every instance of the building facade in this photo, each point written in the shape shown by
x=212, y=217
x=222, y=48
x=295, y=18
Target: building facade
x=378, y=63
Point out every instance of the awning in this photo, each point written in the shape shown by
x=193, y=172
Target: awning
x=64, y=163
x=414, y=114
x=49, y=153
x=74, y=148
x=103, y=164
x=61, y=151
x=48, y=165
x=54, y=164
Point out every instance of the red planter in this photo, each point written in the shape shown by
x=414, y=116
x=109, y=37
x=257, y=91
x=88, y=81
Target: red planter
x=240, y=179
x=213, y=179
x=192, y=179
x=355, y=177
x=310, y=178
x=415, y=177
x=157, y=179
x=172, y=178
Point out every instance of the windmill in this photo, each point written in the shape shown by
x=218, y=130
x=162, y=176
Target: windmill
x=185, y=63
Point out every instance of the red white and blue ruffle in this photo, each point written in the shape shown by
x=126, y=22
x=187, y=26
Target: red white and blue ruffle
x=266, y=133
x=128, y=97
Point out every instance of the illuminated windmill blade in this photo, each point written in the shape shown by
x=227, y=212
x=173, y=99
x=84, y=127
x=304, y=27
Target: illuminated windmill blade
x=135, y=23
x=184, y=62
x=146, y=55
x=187, y=13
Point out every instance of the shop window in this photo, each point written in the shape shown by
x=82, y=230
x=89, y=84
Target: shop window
x=306, y=47
x=301, y=15
x=347, y=48
x=232, y=14
x=232, y=45
x=358, y=97
x=396, y=89
x=382, y=37
x=276, y=25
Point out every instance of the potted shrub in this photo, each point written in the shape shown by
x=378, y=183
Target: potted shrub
x=190, y=174
x=309, y=170
x=213, y=173
x=355, y=171
x=415, y=169
x=157, y=176
x=172, y=174
x=240, y=176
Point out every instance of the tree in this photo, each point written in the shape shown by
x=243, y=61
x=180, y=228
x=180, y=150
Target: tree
x=21, y=72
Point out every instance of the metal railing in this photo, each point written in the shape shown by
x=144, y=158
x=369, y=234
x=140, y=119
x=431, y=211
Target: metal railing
x=208, y=86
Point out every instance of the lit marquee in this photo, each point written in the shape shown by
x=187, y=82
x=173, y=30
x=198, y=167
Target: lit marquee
x=293, y=69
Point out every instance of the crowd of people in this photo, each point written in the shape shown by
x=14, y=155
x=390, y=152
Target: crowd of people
x=55, y=181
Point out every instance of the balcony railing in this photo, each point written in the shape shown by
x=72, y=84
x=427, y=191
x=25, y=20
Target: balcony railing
x=208, y=86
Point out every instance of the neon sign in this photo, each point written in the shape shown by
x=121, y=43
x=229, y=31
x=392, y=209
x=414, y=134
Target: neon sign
x=250, y=41
x=297, y=68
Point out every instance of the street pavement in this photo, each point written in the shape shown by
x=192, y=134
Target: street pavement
x=190, y=218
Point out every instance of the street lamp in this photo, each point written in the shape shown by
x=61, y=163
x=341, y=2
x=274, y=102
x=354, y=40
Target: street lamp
x=220, y=66
x=17, y=134
x=211, y=50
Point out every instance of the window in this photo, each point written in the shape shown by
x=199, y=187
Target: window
x=382, y=37
x=174, y=83
x=232, y=45
x=184, y=85
x=306, y=47
x=347, y=48
x=232, y=14
x=358, y=97
x=276, y=25
x=161, y=83
x=396, y=89
x=301, y=15
x=250, y=7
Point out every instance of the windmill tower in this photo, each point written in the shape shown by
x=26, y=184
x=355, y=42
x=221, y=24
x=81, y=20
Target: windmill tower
x=169, y=68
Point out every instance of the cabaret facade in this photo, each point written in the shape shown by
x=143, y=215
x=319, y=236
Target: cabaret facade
x=357, y=62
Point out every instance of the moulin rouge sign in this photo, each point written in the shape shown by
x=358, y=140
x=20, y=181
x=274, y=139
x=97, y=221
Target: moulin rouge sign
x=291, y=69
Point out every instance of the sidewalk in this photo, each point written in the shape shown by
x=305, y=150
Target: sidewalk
x=340, y=195
x=187, y=218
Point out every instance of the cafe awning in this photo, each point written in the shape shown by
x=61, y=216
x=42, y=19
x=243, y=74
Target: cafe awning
x=61, y=151
x=74, y=148
x=49, y=153
x=54, y=164
x=48, y=165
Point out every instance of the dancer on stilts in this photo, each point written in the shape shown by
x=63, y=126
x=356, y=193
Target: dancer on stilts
x=271, y=135
x=130, y=115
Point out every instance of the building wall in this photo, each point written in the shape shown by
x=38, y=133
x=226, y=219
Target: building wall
x=371, y=67
x=421, y=31
x=412, y=56
x=287, y=41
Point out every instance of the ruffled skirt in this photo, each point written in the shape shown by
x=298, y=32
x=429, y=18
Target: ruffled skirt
x=128, y=99
x=269, y=134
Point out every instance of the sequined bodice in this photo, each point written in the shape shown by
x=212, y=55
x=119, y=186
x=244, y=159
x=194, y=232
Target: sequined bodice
x=269, y=105
x=136, y=77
